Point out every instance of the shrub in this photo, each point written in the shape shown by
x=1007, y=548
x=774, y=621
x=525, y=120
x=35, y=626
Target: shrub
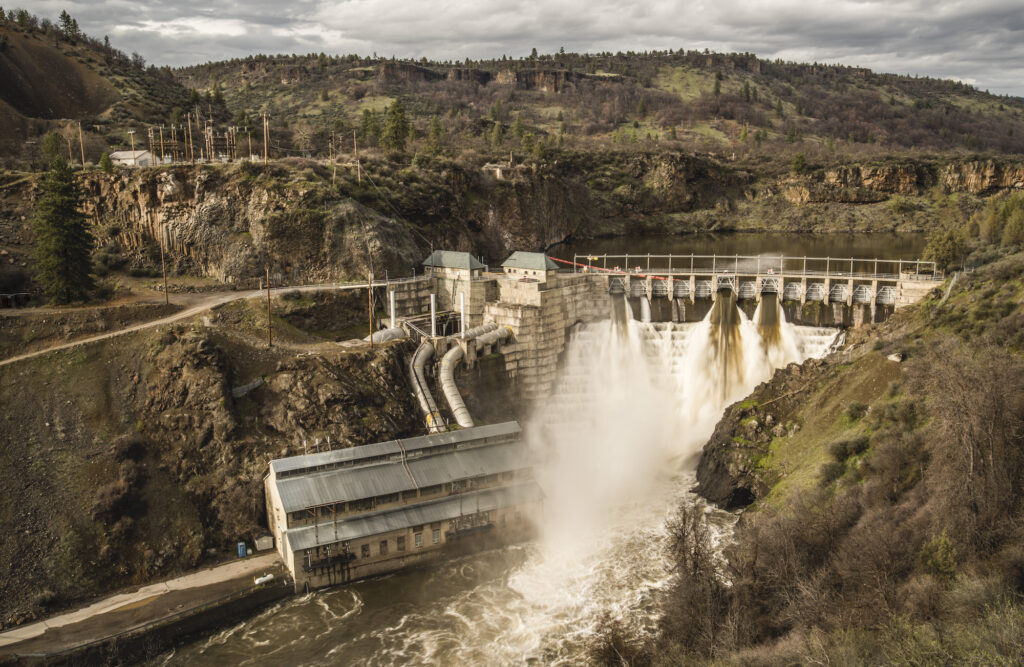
x=831, y=471
x=938, y=557
x=855, y=411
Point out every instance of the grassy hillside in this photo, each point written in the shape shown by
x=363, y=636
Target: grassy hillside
x=725, y=103
x=51, y=79
x=885, y=524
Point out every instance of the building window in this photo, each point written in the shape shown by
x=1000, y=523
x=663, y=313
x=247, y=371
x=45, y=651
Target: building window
x=383, y=547
x=365, y=550
x=401, y=542
x=437, y=535
x=418, y=540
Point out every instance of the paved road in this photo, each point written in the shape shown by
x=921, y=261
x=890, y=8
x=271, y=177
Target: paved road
x=249, y=566
x=207, y=303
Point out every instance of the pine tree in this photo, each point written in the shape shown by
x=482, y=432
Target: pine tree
x=496, y=135
x=105, y=164
x=396, y=127
x=436, y=133
x=517, y=127
x=369, y=127
x=63, y=244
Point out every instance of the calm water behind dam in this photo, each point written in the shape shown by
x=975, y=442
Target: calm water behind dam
x=634, y=404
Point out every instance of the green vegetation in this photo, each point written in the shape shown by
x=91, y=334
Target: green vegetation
x=888, y=529
x=63, y=244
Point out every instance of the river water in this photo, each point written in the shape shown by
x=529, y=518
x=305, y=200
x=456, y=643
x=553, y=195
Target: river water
x=634, y=403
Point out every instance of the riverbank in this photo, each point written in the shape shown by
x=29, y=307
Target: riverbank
x=141, y=624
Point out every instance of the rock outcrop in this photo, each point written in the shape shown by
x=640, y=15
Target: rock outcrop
x=356, y=397
x=982, y=176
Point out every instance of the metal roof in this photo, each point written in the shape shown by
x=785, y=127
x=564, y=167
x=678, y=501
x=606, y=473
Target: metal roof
x=450, y=259
x=128, y=155
x=332, y=458
x=535, y=261
x=347, y=484
x=366, y=525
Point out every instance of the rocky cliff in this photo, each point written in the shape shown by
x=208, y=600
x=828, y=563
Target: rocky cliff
x=308, y=222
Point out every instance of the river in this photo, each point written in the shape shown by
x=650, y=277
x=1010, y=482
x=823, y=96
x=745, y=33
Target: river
x=634, y=403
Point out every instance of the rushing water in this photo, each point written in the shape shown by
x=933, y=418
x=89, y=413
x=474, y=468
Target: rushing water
x=633, y=405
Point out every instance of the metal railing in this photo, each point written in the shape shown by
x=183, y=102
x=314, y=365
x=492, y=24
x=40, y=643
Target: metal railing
x=846, y=267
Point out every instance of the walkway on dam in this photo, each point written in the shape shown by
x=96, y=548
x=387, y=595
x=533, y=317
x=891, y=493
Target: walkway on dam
x=212, y=301
x=127, y=611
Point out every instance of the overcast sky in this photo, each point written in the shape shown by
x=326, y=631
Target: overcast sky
x=977, y=41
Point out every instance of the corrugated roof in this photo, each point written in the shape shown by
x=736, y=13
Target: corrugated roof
x=348, y=484
x=391, y=447
x=366, y=525
x=450, y=259
x=535, y=261
x=127, y=155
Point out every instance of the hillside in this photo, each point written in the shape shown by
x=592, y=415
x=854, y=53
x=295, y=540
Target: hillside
x=735, y=104
x=131, y=459
x=50, y=80
x=883, y=513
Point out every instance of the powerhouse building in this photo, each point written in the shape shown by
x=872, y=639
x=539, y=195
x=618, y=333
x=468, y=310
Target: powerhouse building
x=351, y=513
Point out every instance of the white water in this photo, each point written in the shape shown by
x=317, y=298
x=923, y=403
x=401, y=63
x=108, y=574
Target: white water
x=634, y=403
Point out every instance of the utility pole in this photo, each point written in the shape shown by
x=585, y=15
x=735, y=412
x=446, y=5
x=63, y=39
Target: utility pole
x=265, y=139
x=131, y=134
x=369, y=300
x=270, y=337
x=81, y=143
x=191, y=148
x=161, y=144
x=355, y=147
x=248, y=135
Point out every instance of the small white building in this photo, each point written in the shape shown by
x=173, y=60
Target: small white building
x=133, y=158
x=530, y=265
x=451, y=264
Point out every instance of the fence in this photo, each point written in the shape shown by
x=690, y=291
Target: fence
x=847, y=267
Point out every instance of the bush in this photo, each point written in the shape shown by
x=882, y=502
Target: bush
x=831, y=471
x=844, y=449
x=855, y=411
x=938, y=557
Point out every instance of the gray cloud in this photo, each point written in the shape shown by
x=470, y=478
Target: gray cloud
x=981, y=42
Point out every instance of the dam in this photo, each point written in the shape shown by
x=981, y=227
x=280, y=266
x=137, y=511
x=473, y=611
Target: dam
x=619, y=398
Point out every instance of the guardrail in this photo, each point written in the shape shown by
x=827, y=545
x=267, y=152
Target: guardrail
x=846, y=267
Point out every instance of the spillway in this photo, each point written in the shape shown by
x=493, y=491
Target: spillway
x=634, y=403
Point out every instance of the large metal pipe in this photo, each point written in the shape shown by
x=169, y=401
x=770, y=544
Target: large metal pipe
x=484, y=335
x=424, y=353
x=384, y=335
x=451, y=390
